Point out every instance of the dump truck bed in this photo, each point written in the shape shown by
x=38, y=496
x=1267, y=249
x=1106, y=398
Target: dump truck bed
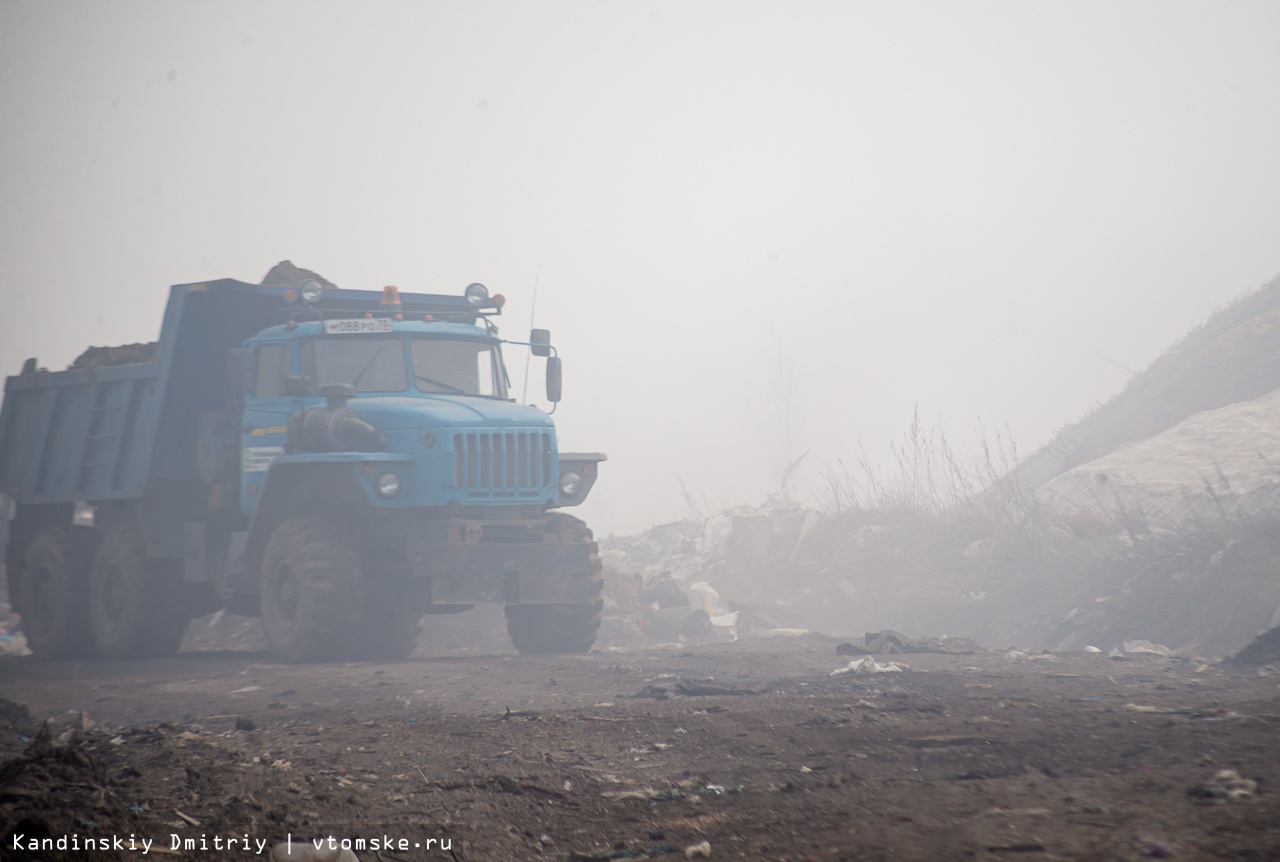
x=103, y=433
x=78, y=435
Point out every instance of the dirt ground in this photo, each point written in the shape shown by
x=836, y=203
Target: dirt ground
x=622, y=755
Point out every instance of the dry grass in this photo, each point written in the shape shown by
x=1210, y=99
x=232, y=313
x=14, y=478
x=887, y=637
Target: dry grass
x=940, y=542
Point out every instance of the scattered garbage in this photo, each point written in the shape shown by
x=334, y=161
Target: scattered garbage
x=701, y=850
x=1143, y=646
x=888, y=642
x=1019, y=655
x=868, y=664
x=1227, y=785
x=12, y=643
x=692, y=689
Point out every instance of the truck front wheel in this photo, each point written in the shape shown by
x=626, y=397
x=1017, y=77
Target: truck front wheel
x=312, y=590
x=135, y=606
x=569, y=626
x=553, y=628
x=53, y=587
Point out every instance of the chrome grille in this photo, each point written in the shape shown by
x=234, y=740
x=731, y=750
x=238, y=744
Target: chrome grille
x=502, y=463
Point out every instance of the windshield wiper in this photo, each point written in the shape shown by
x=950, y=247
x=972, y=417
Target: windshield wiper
x=365, y=370
x=441, y=383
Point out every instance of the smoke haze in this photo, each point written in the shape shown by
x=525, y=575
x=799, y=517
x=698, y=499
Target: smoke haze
x=756, y=229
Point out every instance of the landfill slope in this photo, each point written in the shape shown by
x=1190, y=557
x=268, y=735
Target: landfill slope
x=1233, y=357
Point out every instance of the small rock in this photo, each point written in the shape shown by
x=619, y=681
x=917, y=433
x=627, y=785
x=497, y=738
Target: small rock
x=701, y=850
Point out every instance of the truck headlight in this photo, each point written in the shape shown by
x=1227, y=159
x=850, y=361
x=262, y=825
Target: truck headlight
x=388, y=484
x=476, y=294
x=311, y=290
x=570, y=483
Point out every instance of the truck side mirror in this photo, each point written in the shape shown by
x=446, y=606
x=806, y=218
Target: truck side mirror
x=297, y=385
x=540, y=342
x=553, y=379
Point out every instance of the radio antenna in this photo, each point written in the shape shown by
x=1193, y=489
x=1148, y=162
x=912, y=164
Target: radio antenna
x=528, y=353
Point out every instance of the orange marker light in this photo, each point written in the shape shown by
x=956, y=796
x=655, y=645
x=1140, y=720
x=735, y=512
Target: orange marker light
x=499, y=300
x=391, y=296
x=368, y=315
x=428, y=317
x=290, y=295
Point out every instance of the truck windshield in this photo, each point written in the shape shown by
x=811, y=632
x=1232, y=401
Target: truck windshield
x=369, y=364
x=462, y=367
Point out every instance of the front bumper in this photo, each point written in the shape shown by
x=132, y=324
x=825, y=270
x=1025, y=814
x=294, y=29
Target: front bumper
x=508, y=572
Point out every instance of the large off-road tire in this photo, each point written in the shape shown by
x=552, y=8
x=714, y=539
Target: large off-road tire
x=567, y=627
x=135, y=603
x=312, y=590
x=52, y=588
x=553, y=627
x=390, y=625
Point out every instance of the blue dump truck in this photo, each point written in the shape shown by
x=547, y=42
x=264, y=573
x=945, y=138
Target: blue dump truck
x=339, y=462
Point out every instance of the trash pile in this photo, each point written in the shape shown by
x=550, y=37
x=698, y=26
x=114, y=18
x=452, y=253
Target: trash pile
x=661, y=586
x=12, y=641
x=784, y=569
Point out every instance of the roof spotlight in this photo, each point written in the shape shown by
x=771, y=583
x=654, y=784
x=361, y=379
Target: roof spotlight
x=311, y=290
x=476, y=294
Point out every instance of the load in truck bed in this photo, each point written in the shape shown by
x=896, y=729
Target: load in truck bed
x=284, y=272
x=105, y=357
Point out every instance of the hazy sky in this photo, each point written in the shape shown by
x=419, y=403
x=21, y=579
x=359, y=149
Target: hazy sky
x=989, y=209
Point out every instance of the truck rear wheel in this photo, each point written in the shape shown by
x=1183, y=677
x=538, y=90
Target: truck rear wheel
x=53, y=592
x=312, y=590
x=135, y=609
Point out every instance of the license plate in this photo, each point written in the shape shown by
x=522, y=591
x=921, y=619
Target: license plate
x=357, y=326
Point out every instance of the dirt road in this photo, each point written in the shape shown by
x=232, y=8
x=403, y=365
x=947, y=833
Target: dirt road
x=629, y=755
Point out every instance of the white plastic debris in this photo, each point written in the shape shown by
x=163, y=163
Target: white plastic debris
x=1019, y=655
x=1141, y=646
x=701, y=850
x=1227, y=785
x=708, y=594
x=867, y=664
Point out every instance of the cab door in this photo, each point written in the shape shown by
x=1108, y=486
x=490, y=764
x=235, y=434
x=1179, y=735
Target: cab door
x=265, y=426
